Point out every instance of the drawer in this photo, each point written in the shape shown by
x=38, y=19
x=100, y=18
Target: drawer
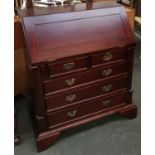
x=85, y=77
x=85, y=109
x=83, y=93
x=109, y=56
x=66, y=66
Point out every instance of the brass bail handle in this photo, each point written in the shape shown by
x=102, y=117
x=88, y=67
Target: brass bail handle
x=70, y=82
x=106, y=103
x=107, y=72
x=68, y=66
x=107, y=56
x=107, y=88
x=72, y=113
x=71, y=98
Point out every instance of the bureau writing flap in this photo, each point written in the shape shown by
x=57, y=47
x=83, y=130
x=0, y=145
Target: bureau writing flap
x=67, y=34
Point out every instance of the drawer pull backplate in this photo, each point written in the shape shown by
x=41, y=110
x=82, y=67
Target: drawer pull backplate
x=71, y=98
x=108, y=56
x=72, y=113
x=106, y=103
x=107, y=88
x=68, y=66
x=107, y=72
x=70, y=82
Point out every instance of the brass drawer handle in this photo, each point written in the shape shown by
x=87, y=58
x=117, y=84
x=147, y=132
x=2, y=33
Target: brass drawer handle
x=108, y=56
x=72, y=113
x=70, y=82
x=107, y=72
x=68, y=66
x=107, y=88
x=106, y=103
x=71, y=98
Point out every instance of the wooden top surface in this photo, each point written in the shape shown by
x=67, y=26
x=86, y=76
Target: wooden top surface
x=59, y=35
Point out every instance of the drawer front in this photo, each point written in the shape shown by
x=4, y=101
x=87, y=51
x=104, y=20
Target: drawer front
x=68, y=98
x=85, y=77
x=64, y=67
x=109, y=56
x=75, y=112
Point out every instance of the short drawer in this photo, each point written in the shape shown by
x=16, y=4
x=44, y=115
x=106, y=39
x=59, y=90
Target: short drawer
x=66, y=66
x=85, y=109
x=85, y=77
x=109, y=56
x=83, y=93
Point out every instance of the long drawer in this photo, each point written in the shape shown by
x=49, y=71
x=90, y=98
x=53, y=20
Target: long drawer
x=85, y=109
x=85, y=77
x=83, y=93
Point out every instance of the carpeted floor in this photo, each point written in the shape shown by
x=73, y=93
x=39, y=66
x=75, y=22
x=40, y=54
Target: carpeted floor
x=114, y=135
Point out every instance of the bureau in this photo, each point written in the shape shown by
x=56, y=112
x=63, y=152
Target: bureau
x=81, y=67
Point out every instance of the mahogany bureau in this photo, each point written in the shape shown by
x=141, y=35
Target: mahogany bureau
x=81, y=65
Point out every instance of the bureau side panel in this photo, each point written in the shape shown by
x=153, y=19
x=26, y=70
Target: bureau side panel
x=39, y=104
x=130, y=72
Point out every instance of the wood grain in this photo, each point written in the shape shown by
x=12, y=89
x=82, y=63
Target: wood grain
x=86, y=31
x=81, y=63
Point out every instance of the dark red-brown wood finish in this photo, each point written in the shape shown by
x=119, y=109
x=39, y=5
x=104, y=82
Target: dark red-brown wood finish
x=81, y=64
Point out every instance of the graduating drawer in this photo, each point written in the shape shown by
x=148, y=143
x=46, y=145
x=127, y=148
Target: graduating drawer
x=85, y=109
x=84, y=77
x=109, y=56
x=83, y=93
x=67, y=66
